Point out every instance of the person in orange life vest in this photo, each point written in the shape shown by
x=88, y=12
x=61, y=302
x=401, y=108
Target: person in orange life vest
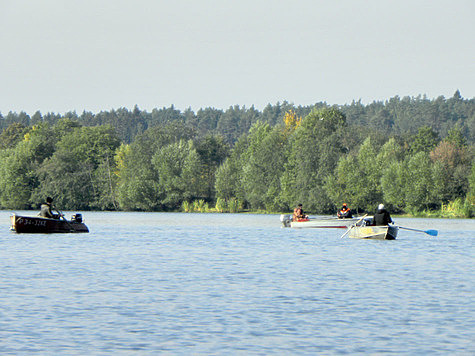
x=345, y=212
x=299, y=214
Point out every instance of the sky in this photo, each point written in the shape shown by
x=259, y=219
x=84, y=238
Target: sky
x=70, y=55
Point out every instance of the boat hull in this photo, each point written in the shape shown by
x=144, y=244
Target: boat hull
x=374, y=232
x=324, y=222
x=40, y=225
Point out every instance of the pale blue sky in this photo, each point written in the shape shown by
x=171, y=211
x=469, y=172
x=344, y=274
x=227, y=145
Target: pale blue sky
x=61, y=55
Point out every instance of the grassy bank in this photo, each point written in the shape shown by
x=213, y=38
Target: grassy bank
x=458, y=209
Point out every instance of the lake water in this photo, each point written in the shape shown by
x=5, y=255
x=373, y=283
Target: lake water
x=220, y=284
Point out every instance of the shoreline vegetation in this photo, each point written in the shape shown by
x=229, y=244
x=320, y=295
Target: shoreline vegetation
x=453, y=210
x=427, y=215
x=414, y=155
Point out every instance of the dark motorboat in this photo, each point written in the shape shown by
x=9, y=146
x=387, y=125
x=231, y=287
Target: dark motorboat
x=41, y=225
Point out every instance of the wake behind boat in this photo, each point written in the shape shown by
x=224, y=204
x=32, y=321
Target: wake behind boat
x=317, y=222
x=42, y=225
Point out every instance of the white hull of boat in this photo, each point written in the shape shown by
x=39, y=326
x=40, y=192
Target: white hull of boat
x=322, y=222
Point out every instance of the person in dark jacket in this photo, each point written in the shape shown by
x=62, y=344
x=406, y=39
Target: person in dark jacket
x=46, y=209
x=382, y=216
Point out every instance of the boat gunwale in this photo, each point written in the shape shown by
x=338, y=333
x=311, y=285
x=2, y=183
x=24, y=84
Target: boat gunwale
x=385, y=231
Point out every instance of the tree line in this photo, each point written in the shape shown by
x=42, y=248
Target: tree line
x=396, y=116
x=315, y=156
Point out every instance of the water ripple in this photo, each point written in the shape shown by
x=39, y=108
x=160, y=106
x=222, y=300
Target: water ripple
x=148, y=283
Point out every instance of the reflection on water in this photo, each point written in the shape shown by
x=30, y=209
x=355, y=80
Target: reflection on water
x=235, y=283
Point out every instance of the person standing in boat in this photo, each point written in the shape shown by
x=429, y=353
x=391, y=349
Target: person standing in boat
x=344, y=212
x=382, y=216
x=46, y=209
x=299, y=213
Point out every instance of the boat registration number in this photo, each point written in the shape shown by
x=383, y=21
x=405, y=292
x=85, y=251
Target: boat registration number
x=31, y=222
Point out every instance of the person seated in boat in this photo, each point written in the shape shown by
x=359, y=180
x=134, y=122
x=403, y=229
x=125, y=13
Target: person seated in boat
x=299, y=214
x=344, y=212
x=382, y=216
x=46, y=209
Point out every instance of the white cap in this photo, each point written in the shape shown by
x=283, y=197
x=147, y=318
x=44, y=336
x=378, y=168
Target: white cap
x=380, y=206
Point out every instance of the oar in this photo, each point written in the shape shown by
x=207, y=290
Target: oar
x=356, y=223
x=428, y=232
x=61, y=215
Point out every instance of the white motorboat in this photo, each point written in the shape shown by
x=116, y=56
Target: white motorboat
x=317, y=222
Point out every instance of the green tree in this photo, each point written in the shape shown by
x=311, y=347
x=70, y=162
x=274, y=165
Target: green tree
x=137, y=180
x=42, y=140
x=456, y=137
x=420, y=190
x=394, y=181
x=36, y=118
x=425, y=140
x=236, y=121
x=17, y=177
x=12, y=135
x=470, y=201
x=263, y=167
x=357, y=179
x=178, y=166
x=389, y=157
x=453, y=169
x=472, y=180
x=227, y=180
x=65, y=126
x=229, y=174
x=207, y=120
x=315, y=147
x=19, y=167
x=212, y=151
x=342, y=186
x=69, y=174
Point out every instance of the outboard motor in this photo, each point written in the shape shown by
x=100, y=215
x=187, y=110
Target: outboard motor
x=286, y=219
x=367, y=221
x=77, y=218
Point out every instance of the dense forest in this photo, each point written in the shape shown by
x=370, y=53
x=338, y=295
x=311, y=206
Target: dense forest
x=413, y=154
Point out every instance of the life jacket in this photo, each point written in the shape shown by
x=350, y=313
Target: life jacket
x=345, y=213
x=298, y=214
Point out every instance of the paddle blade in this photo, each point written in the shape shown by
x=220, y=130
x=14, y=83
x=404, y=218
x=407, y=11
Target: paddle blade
x=346, y=233
x=432, y=232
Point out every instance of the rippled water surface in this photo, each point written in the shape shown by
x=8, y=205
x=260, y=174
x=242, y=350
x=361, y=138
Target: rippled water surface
x=215, y=284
